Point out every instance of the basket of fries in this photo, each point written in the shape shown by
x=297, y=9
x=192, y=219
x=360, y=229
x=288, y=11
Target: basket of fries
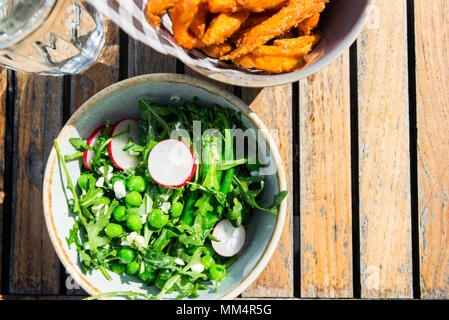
x=252, y=43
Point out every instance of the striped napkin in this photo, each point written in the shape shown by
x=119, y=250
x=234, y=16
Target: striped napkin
x=130, y=16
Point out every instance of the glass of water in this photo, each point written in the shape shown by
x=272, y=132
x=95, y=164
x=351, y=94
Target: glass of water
x=53, y=37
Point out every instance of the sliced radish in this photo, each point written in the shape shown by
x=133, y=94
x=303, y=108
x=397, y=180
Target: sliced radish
x=171, y=163
x=231, y=239
x=90, y=154
x=122, y=159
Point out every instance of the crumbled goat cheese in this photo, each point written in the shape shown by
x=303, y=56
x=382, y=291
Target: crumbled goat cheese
x=165, y=207
x=119, y=189
x=134, y=237
x=179, y=261
x=109, y=175
x=100, y=182
x=198, y=267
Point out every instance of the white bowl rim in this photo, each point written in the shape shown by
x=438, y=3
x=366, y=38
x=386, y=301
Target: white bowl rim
x=174, y=78
x=258, y=81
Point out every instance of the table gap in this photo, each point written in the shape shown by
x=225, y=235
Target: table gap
x=123, y=55
x=8, y=181
x=354, y=105
x=296, y=192
x=180, y=67
x=413, y=148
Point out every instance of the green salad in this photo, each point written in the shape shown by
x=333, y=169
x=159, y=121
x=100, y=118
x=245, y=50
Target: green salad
x=127, y=223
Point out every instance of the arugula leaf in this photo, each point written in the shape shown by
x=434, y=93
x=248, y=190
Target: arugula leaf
x=203, y=205
x=164, y=238
x=150, y=113
x=80, y=144
x=158, y=259
x=220, y=196
x=94, y=228
x=235, y=214
x=134, y=149
x=73, y=236
x=228, y=164
x=85, y=258
x=250, y=194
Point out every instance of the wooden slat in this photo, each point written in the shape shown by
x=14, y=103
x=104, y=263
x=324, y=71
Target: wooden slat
x=142, y=60
x=37, y=120
x=274, y=108
x=222, y=85
x=3, y=91
x=325, y=177
x=100, y=75
x=384, y=157
x=432, y=98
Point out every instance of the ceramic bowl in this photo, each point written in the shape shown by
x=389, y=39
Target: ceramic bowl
x=340, y=24
x=120, y=101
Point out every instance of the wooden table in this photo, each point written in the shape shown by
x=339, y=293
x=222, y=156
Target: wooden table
x=365, y=144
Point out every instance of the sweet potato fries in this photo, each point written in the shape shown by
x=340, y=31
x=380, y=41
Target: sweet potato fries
x=269, y=35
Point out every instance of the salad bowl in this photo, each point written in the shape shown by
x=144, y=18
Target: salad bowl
x=120, y=101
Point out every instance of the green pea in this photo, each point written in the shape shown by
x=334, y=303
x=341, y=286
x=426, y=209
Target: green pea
x=217, y=272
x=133, y=199
x=119, y=213
x=134, y=223
x=132, y=268
x=118, y=267
x=136, y=183
x=176, y=209
x=207, y=262
x=158, y=218
x=126, y=255
x=113, y=230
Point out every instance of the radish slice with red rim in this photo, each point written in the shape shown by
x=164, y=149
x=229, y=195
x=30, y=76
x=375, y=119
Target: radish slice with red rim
x=232, y=239
x=171, y=163
x=122, y=159
x=90, y=154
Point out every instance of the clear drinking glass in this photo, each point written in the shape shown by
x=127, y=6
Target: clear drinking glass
x=53, y=37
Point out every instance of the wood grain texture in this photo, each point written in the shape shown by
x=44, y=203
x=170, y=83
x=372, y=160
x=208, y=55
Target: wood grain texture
x=142, y=60
x=384, y=156
x=222, y=85
x=432, y=99
x=325, y=177
x=34, y=266
x=100, y=75
x=274, y=108
x=3, y=93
